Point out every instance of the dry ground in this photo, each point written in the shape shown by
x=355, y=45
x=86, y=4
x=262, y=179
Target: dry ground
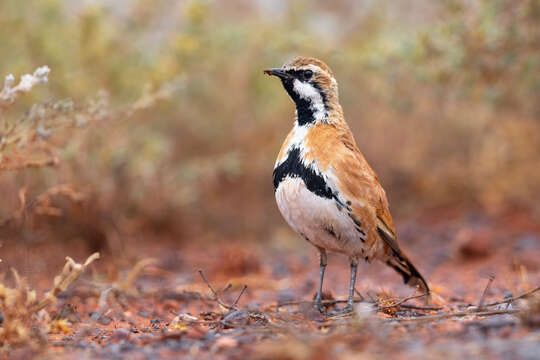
x=169, y=311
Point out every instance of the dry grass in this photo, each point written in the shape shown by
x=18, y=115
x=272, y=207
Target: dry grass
x=25, y=319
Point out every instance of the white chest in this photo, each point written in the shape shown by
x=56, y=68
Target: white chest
x=318, y=219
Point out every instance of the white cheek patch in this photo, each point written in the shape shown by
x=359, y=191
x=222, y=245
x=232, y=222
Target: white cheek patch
x=309, y=92
x=305, y=90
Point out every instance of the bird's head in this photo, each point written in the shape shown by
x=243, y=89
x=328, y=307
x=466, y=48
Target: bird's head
x=311, y=85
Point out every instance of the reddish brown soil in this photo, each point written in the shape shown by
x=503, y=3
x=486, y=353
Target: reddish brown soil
x=169, y=311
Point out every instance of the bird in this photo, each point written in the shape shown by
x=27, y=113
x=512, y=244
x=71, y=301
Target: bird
x=324, y=187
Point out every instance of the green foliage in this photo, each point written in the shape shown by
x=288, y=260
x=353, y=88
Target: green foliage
x=457, y=91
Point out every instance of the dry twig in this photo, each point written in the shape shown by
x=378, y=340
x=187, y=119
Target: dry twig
x=483, y=298
x=70, y=273
x=522, y=296
x=451, y=315
x=118, y=289
x=9, y=93
x=324, y=302
x=125, y=286
x=475, y=311
x=362, y=299
x=19, y=305
x=425, y=308
x=234, y=304
x=215, y=294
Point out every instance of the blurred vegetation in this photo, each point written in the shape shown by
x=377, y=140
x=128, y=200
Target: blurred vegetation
x=444, y=100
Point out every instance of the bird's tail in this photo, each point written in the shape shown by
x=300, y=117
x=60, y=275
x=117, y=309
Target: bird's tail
x=400, y=262
x=411, y=276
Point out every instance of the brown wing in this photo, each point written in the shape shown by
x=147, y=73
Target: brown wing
x=336, y=153
x=372, y=192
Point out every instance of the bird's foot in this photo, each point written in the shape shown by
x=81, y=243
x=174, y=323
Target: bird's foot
x=318, y=305
x=348, y=309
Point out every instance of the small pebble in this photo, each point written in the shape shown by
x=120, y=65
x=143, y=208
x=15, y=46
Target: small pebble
x=225, y=342
x=236, y=318
x=94, y=316
x=120, y=334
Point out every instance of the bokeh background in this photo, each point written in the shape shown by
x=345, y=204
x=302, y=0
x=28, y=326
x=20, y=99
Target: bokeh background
x=162, y=126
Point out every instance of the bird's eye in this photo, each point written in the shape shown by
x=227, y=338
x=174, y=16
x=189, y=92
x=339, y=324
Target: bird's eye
x=308, y=74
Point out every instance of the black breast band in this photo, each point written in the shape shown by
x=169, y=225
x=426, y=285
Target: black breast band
x=294, y=168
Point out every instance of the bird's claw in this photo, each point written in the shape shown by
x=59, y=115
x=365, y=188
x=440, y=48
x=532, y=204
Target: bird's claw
x=348, y=309
x=319, y=306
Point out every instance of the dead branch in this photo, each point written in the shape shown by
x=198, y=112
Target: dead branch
x=451, y=315
x=150, y=97
x=62, y=189
x=28, y=164
x=9, y=93
x=358, y=293
x=425, y=308
x=333, y=302
x=226, y=288
x=239, y=295
x=70, y=273
x=102, y=301
x=125, y=285
x=483, y=297
x=215, y=295
x=119, y=289
x=41, y=205
x=324, y=302
x=522, y=296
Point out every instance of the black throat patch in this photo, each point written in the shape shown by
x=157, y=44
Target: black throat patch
x=294, y=168
x=303, y=106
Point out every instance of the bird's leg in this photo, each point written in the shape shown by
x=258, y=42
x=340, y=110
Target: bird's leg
x=354, y=266
x=318, y=298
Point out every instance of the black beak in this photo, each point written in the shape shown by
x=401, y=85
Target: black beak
x=277, y=72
